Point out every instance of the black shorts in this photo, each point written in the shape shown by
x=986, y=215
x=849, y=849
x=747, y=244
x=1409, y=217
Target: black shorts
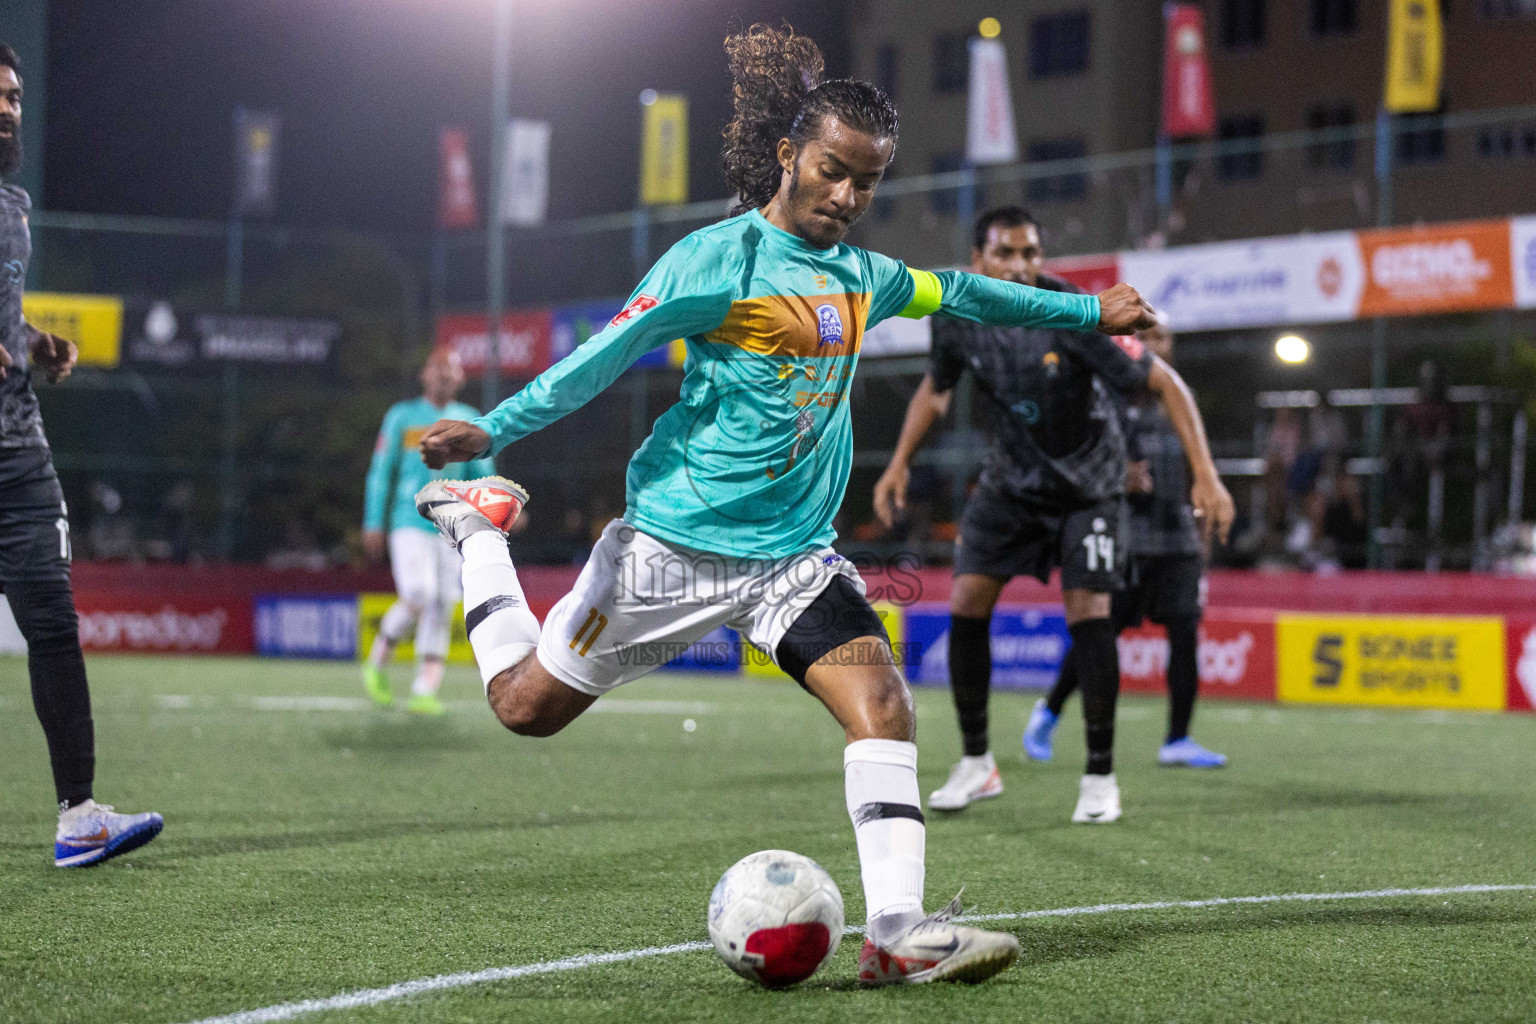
x=34, y=525
x=838, y=615
x=1003, y=536
x=1162, y=588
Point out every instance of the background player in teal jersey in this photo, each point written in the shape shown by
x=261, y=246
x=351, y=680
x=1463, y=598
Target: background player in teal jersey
x=731, y=498
x=426, y=570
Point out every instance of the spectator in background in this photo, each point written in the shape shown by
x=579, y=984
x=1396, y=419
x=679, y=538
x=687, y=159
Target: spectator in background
x=1336, y=512
x=110, y=533
x=1420, y=441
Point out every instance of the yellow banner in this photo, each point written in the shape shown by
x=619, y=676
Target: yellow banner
x=371, y=608
x=93, y=322
x=1414, y=46
x=1423, y=661
x=757, y=664
x=664, y=150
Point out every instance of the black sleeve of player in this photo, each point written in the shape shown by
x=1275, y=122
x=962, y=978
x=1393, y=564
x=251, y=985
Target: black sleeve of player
x=1122, y=363
x=946, y=358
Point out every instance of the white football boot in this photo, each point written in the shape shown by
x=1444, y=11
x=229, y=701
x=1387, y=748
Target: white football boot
x=1098, y=800
x=974, y=778
x=937, y=949
x=90, y=833
x=461, y=507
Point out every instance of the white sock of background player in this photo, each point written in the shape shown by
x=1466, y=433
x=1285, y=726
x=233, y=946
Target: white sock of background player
x=501, y=628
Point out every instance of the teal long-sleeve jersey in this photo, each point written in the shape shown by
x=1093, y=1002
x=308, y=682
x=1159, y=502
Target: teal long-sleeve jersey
x=396, y=472
x=753, y=460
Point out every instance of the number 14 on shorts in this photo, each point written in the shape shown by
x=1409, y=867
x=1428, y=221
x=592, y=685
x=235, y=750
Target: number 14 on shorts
x=1101, y=552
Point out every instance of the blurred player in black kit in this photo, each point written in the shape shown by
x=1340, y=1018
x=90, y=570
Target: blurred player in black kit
x=1165, y=575
x=34, y=535
x=1050, y=495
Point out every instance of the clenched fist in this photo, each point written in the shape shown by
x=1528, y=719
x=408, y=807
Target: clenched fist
x=452, y=441
x=1122, y=310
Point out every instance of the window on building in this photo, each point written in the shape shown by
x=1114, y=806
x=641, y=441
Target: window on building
x=945, y=201
x=1243, y=164
x=951, y=64
x=1420, y=138
x=887, y=70
x=1507, y=143
x=1056, y=187
x=1331, y=154
x=1333, y=17
x=1496, y=10
x=1058, y=45
x=1242, y=24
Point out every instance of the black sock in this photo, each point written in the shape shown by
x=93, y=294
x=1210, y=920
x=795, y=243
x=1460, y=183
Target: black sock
x=970, y=678
x=1066, y=682
x=1183, y=675
x=1098, y=673
x=45, y=614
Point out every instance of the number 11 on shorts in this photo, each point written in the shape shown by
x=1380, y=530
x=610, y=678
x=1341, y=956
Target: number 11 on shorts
x=594, y=618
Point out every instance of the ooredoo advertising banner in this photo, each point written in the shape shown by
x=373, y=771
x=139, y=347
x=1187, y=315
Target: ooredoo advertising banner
x=1263, y=282
x=1437, y=269
x=524, y=341
x=1423, y=661
x=1236, y=657
x=144, y=623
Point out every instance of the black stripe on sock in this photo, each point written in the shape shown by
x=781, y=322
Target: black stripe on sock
x=866, y=813
x=485, y=611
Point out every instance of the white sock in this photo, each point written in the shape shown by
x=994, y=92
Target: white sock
x=501, y=628
x=396, y=622
x=881, y=785
x=429, y=677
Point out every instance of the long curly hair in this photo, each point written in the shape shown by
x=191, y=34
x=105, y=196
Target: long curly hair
x=778, y=93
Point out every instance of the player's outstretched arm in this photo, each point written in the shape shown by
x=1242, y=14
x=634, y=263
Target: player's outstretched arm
x=987, y=300
x=927, y=406
x=1212, y=504
x=687, y=292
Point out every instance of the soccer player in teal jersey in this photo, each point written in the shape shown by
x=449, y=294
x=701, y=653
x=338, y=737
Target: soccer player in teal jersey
x=731, y=498
x=426, y=570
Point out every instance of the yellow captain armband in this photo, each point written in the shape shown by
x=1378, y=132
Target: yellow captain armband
x=927, y=294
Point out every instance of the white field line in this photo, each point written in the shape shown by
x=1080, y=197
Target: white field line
x=406, y=989
x=180, y=702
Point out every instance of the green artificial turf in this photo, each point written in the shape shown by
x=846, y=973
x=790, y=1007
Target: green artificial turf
x=313, y=852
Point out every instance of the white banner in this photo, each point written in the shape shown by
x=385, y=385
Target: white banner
x=1522, y=252
x=525, y=176
x=1264, y=282
x=898, y=336
x=990, y=137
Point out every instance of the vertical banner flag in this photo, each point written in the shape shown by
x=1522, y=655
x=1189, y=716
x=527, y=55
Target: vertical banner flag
x=1414, y=48
x=255, y=162
x=989, y=134
x=663, y=148
x=525, y=177
x=456, y=208
x=1189, y=107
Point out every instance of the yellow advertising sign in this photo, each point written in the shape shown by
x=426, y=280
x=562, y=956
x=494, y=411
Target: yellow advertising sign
x=757, y=664
x=664, y=149
x=93, y=322
x=1423, y=661
x=371, y=608
x=1414, y=46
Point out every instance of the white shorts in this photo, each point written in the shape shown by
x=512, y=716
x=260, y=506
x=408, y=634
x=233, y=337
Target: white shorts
x=426, y=568
x=640, y=602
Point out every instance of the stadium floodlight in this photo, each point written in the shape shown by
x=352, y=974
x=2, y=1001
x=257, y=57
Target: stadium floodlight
x=1292, y=348
x=990, y=28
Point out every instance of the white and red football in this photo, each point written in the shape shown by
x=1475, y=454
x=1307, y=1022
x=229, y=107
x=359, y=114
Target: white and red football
x=775, y=917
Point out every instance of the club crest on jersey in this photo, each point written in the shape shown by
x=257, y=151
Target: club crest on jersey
x=829, y=324
x=639, y=304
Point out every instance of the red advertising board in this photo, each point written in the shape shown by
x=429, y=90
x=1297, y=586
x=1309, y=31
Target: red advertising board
x=1236, y=657
x=1520, y=649
x=524, y=341
x=168, y=623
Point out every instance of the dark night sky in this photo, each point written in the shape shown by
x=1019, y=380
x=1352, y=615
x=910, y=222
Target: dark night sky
x=140, y=97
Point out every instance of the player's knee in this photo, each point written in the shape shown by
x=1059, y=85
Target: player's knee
x=45, y=616
x=520, y=709
x=888, y=712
